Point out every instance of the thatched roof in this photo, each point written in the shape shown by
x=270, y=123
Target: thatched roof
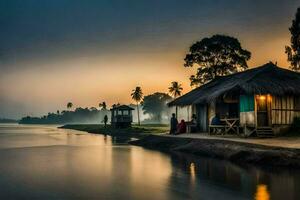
x=266, y=79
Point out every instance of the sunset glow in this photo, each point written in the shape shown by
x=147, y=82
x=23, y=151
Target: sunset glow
x=43, y=73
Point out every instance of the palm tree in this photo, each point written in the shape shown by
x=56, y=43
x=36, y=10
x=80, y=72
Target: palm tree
x=103, y=105
x=137, y=96
x=69, y=105
x=175, y=91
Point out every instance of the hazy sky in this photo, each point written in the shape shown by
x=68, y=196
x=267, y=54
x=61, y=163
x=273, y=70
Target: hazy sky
x=87, y=51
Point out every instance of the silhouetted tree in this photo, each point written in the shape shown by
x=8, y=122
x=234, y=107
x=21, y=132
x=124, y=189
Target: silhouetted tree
x=103, y=105
x=175, y=91
x=218, y=55
x=155, y=104
x=137, y=96
x=115, y=105
x=79, y=115
x=93, y=109
x=69, y=105
x=293, y=51
x=57, y=112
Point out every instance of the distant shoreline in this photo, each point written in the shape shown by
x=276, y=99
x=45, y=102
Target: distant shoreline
x=8, y=121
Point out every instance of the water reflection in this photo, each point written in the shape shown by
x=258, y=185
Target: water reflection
x=245, y=182
x=193, y=172
x=46, y=162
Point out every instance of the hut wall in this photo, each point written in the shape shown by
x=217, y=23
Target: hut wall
x=247, y=110
x=184, y=112
x=285, y=109
x=193, y=109
x=211, y=109
x=297, y=106
x=201, y=114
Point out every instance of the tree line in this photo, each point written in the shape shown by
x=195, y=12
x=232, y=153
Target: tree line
x=78, y=115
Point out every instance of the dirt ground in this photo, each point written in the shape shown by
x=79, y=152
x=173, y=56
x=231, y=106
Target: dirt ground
x=287, y=142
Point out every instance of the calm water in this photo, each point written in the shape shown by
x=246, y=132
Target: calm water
x=40, y=162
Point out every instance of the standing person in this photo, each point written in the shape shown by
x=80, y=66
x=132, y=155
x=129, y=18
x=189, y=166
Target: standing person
x=105, y=120
x=173, y=124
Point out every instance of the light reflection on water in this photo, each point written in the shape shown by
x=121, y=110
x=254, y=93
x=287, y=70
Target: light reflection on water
x=48, y=163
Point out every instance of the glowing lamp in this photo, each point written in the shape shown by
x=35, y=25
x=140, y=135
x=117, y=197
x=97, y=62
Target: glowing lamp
x=262, y=97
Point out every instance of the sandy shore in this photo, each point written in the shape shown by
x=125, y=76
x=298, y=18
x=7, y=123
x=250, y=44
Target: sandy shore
x=236, y=150
x=285, y=142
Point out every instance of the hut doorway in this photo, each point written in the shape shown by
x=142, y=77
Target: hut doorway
x=262, y=111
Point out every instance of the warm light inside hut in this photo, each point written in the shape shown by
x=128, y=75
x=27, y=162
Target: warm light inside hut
x=262, y=193
x=262, y=97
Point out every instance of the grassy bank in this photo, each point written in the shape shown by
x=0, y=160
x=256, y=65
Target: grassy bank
x=237, y=152
x=134, y=131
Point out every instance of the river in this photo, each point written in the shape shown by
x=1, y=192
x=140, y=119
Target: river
x=44, y=162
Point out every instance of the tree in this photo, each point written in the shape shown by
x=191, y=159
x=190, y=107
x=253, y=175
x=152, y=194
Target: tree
x=175, y=91
x=218, y=55
x=137, y=96
x=115, y=105
x=103, y=105
x=69, y=105
x=93, y=109
x=155, y=105
x=293, y=51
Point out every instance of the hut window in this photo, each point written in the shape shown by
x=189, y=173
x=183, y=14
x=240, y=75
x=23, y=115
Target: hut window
x=119, y=112
x=227, y=109
x=125, y=112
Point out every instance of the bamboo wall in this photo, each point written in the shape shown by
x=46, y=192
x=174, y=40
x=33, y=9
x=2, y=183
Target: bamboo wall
x=284, y=109
x=211, y=111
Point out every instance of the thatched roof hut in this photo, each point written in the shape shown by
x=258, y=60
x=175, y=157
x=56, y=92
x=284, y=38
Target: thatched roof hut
x=266, y=96
x=266, y=79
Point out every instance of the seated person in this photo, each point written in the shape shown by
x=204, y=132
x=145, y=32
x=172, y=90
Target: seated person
x=216, y=120
x=181, y=128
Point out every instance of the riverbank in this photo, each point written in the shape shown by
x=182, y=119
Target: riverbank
x=279, y=152
x=235, y=151
x=134, y=131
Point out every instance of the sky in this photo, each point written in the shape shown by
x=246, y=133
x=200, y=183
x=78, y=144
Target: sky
x=86, y=52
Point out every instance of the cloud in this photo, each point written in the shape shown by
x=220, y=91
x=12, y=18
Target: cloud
x=59, y=50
